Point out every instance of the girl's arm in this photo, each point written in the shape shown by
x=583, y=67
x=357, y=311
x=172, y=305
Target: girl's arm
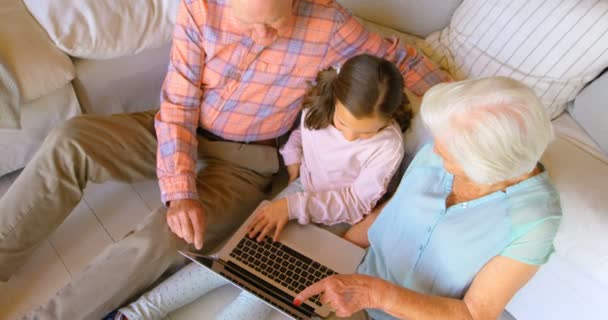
x=357, y=234
x=354, y=202
x=292, y=150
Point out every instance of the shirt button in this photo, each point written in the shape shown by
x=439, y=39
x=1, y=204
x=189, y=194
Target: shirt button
x=428, y=229
x=420, y=248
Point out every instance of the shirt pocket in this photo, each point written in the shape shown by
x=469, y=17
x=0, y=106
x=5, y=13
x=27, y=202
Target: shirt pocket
x=284, y=85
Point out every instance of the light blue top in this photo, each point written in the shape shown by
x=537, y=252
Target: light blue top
x=419, y=244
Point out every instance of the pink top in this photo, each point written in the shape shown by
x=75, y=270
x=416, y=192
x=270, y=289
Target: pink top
x=342, y=179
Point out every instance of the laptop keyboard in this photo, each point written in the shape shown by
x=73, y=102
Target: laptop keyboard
x=282, y=264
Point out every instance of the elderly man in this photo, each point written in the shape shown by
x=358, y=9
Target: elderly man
x=236, y=77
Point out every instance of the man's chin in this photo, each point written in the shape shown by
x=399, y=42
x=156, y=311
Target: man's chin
x=264, y=41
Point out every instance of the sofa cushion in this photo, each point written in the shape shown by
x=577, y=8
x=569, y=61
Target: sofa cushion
x=105, y=29
x=416, y=17
x=121, y=85
x=38, y=118
x=579, y=172
x=590, y=110
x=554, y=47
x=38, y=67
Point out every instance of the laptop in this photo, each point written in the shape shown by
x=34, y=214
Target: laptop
x=276, y=271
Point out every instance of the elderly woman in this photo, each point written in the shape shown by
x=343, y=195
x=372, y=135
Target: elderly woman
x=473, y=219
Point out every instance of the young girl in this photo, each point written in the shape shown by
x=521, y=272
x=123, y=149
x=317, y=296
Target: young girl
x=340, y=161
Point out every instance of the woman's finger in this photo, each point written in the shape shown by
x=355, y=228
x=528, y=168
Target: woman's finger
x=313, y=290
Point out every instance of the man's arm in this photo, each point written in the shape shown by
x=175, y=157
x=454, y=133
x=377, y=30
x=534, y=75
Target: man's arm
x=176, y=125
x=351, y=38
x=178, y=118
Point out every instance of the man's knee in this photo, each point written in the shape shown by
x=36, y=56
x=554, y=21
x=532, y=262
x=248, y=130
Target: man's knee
x=69, y=133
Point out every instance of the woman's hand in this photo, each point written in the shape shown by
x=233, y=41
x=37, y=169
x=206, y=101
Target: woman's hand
x=346, y=294
x=294, y=171
x=273, y=216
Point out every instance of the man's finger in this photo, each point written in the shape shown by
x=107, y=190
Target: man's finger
x=197, y=226
x=313, y=290
x=176, y=227
x=184, y=221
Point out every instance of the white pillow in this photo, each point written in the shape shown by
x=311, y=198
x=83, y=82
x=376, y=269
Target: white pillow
x=556, y=47
x=417, y=17
x=37, y=66
x=104, y=29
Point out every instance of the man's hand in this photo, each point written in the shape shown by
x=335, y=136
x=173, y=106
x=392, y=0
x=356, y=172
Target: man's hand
x=273, y=216
x=294, y=171
x=346, y=294
x=188, y=221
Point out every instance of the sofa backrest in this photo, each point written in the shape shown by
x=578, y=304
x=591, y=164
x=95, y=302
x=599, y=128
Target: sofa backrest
x=417, y=17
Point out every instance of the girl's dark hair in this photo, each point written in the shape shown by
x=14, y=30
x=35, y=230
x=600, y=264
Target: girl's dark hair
x=366, y=86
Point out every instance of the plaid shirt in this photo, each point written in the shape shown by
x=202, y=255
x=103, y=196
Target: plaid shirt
x=222, y=81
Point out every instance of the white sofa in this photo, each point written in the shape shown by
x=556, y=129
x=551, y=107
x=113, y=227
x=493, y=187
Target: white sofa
x=61, y=69
x=127, y=77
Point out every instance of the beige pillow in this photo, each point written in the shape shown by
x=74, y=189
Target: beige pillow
x=38, y=67
x=555, y=47
x=9, y=99
x=104, y=29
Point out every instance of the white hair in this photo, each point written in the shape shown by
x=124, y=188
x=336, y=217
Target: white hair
x=495, y=128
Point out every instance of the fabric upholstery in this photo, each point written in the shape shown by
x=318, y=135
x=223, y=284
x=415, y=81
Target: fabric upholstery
x=38, y=67
x=105, y=29
x=590, y=110
x=38, y=117
x=555, y=47
x=416, y=17
x=9, y=99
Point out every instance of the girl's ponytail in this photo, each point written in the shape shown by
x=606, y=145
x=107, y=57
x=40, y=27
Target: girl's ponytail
x=320, y=101
x=403, y=114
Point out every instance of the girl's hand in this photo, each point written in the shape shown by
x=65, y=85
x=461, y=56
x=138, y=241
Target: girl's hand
x=273, y=216
x=294, y=171
x=346, y=294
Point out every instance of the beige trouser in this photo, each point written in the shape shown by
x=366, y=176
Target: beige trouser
x=120, y=148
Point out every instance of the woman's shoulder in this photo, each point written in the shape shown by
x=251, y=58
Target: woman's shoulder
x=426, y=157
x=535, y=214
x=537, y=194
